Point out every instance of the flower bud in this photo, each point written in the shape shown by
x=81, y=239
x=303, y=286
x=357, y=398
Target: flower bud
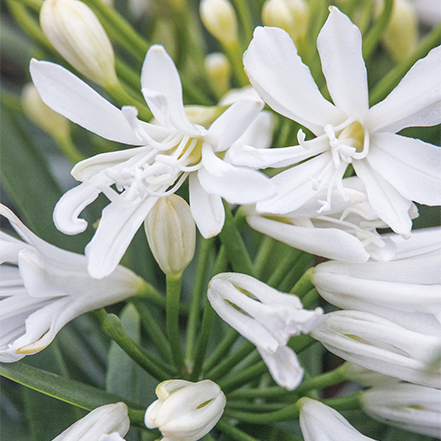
x=219, y=71
x=42, y=115
x=111, y=420
x=75, y=32
x=185, y=411
x=171, y=233
x=290, y=15
x=219, y=17
x=408, y=406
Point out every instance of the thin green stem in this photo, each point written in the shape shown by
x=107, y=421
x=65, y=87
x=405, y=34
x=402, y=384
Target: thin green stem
x=246, y=20
x=151, y=294
x=69, y=149
x=221, y=349
x=285, y=263
x=234, y=54
x=233, y=431
x=127, y=74
x=296, y=273
x=304, y=285
x=349, y=402
x=245, y=376
x=172, y=319
x=264, y=252
x=311, y=299
x=255, y=407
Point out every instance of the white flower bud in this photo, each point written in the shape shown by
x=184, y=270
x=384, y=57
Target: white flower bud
x=219, y=17
x=408, y=406
x=171, y=233
x=76, y=33
x=290, y=15
x=218, y=70
x=42, y=115
x=111, y=420
x=185, y=411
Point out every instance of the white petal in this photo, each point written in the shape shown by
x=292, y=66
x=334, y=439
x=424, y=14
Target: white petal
x=388, y=203
x=285, y=83
x=259, y=133
x=415, y=102
x=161, y=87
x=423, y=241
x=207, y=209
x=68, y=95
x=410, y=165
x=339, y=45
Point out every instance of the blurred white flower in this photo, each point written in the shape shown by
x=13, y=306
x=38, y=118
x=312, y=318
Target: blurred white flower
x=396, y=170
x=265, y=317
x=43, y=288
x=185, y=411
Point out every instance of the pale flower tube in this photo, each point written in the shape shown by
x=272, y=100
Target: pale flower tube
x=408, y=406
x=44, y=287
x=106, y=423
x=382, y=346
x=265, y=317
x=185, y=411
x=320, y=422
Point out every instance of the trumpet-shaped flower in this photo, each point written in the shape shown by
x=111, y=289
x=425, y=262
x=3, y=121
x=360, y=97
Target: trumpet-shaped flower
x=382, y=346
x=185, y=411
x=406, y=290
x=106, y=423
x=169, y=152
x=320, y=422
x=394, y=169
x=43, y=288
x=408, y=406
x=265, y=317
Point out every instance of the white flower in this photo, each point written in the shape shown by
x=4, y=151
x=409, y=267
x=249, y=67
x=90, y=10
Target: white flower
x=408, y=406
x=322, y=423
x=44, y=287
x=382, y=346
x=105, y=423
x=346, y=232
x=395, y=169
x=170, y=152
x=185, y=411
x=406, y=290
x=267, y=318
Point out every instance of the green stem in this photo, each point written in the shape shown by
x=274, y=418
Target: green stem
x=304, y=285
x=233, y=432
x=151, y=294
x=244, y=377
x=200, y=287
x=246, y=20
x=221, y=263
x=221, y=349
x=69, y=149
x=255, y=407
x=264, y=252
x=172, y=318
x=327, y=379
x=311, y=299
x=350, y=402
x=128, y=75
x=234, y=54
x=371, y=40
x=286, y=262
x=297, y=271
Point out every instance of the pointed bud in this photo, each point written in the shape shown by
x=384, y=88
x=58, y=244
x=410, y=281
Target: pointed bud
x=185, y=411
x=218, y=70
x=219, y=17
x=76, y=33
x=171, y=233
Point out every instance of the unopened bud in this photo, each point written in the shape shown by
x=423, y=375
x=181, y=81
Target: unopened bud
x=219, y=17
x=290, y=15
x=171, y=233
x=76, y=33
x=218, y=69
x=185, y=411
x=42, y=115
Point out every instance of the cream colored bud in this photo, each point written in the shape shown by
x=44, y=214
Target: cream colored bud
x=290, y=15
x=42, y=115
x=76, y=33
x=219, y=17
x=171, y=233
x=218, y=69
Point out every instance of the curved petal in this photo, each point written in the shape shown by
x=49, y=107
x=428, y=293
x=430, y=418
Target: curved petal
x=426, y=241
x=161, y=87
x=207, y=209
x=339, y=45
x=285, y=83
x=415, y=102
x=118, y=225
x=259, y=133
x=410, y=165
x=388, y=203
x=68, y=95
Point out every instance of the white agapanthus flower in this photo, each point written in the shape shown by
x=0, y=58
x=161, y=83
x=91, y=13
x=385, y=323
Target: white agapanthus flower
x=406, y=290
x=106, y=423
x=394, y=169
x=43, y=287
x=265, y=317
x=347, y=232
x=320, y=422
x=408, y=406
x=382, y=346
x=169, y=153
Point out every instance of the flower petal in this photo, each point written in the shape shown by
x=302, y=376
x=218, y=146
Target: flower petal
x=415, y=102
x=285, y=83
x=339, y=45
x=68, y=95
